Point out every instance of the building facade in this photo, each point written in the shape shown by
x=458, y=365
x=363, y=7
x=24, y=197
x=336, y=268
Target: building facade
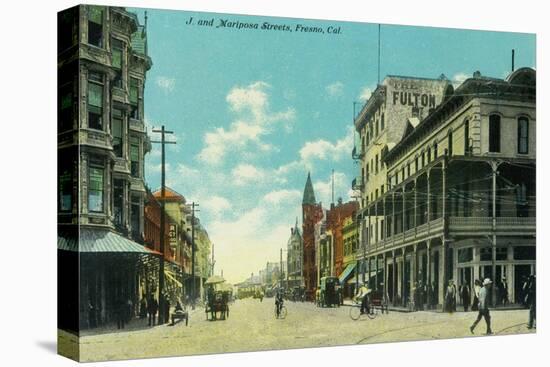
x=350, y=235
x=460, y=195
x=102, y=66
x=312, y=212
x=294, y=258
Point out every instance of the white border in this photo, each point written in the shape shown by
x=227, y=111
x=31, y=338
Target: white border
x=28, y=156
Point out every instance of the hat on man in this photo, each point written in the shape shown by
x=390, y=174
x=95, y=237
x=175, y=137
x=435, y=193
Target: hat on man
x=487, y=281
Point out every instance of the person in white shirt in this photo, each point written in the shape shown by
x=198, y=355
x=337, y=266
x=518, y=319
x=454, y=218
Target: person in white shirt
x=483, y=307
x=362, y=295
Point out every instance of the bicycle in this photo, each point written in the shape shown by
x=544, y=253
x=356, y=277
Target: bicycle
x=280, y=312
x=355, y=311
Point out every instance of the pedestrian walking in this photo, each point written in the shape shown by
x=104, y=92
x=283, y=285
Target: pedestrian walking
x=531, y=300
x=152, y=308
x=465, y=295
x=143, y=307
x=120, y=313
x=483, y=307
x=129, y=310
x=450, y=297
x=477, y=288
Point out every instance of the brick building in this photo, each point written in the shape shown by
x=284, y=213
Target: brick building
x=312, y=212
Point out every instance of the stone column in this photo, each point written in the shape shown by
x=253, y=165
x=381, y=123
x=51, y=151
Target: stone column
x=394, y=277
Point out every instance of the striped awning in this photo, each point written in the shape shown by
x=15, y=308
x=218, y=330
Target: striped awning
x=91, y=240
x=346, y=273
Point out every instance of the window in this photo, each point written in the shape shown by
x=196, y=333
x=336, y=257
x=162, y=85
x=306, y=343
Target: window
x=435, y=150
x=525, y=253
x=134, y=98
x=465, y=255
x=502, y=253
x=467, y=137
x=66, y=100
x=523, y=135
x=485, y=254
x=95, y=189
x=382, y=190
x=135, y=216
x=116, y=131
x=65, y=190
x=67, y=29
x=382, y=124
x=95, y=26
x=494, y=133
x=118, y=202
x=522, y=203
x=450, y=143
x=134, y=156
x=117, y=51
x=376, y=164
x=429, y=155
x=408, y=169
x=376, y=127
x=423, y=159
x=416, y=164
x=95, y=101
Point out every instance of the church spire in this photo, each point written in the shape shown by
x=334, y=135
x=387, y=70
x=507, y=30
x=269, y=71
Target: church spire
x=309, y=194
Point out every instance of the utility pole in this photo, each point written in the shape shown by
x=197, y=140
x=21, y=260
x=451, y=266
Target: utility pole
x=213, y=261
x=163, y=143
x=193, y=296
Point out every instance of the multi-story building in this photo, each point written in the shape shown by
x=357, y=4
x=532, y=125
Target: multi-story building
x=102, y=64
x=335, y=225
x=294, y=258
x=312, y=212
x=460, y=202
x=350, y=236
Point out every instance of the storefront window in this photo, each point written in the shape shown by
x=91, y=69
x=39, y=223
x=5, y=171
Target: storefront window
x=524, y=253
x=465, y=255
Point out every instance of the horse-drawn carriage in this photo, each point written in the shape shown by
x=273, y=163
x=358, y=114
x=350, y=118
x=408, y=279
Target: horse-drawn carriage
x=218, y=296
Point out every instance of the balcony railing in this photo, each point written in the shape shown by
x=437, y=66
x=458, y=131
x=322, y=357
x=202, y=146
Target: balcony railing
x=357, y=184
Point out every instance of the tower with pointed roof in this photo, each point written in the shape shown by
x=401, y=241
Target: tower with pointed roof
x=312, y=212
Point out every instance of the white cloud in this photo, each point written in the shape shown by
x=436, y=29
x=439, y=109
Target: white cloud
x=166, y=84
x=365, y=93
x=335, y=89
x=459, y=78
x=215, y=205
x=278, y=197
x=247, y=173
x=324, y=150
x=323, y=189
x=254, y=120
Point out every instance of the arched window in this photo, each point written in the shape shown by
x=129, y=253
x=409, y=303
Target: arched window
x=494, y=133
x=435, y=150
x=523, y=135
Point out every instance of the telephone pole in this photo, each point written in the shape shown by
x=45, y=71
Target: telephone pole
x=163, y=143
x=193, y=210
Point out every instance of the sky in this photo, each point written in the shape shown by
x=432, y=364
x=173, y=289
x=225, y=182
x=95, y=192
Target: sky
x=253, y=111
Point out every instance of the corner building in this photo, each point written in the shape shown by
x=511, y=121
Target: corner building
x=102, y=63
x=459, y=198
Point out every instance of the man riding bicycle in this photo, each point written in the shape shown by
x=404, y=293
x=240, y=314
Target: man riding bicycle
x=279, y=301
x=363, y=296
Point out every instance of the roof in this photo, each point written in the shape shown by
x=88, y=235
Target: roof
x=169, y=195
x=99, y=240
x=309, y=194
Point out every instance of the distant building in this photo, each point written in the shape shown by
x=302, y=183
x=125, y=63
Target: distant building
x=294, y=257
x=311, y=214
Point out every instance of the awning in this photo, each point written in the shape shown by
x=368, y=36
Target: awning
x=346, y=273
x=92, y=240
x=171, y=276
